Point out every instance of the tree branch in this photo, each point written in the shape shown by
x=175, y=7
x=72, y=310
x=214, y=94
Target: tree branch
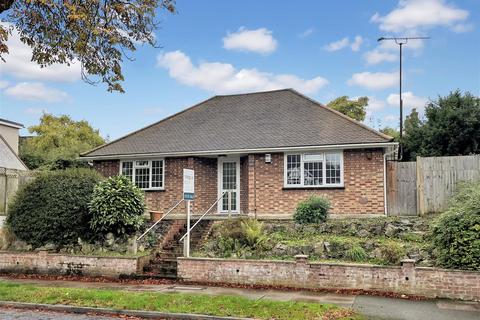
x=5, y=5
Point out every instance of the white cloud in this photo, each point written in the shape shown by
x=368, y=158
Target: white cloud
x=3, y=84
x=377, y=56
x=355, y=46
x=35, y=91
x=306, y=33
x=224, y=78
x=18, y=63
x=411, y=15
x=374, y=80
x=343, y=43
x=410, y=100
x=259, y=40
x=35, y=111
x=337, y=45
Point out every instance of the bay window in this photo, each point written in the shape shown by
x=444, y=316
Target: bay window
x=146, y=174
x=319, y=169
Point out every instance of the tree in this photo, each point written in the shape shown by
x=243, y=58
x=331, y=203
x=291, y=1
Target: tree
x=58, y=142
x=392, y=132
x=355, y=109
x=451, y=127
x=95, y=33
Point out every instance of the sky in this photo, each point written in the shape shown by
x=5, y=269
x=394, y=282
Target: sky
x=324, y=49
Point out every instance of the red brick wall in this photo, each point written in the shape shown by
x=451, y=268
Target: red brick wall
x=408, y=279
x=205, y=183
x=107, y=168
x=43, y=262
x=244, y=187
x=362, y=192
x=261, y=184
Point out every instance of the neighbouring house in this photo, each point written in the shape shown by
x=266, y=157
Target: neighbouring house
x=9, y=138
x=269, y=149
x=10, y=164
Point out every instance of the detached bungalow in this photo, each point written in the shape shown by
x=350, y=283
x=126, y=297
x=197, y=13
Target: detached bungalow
x=270, y=149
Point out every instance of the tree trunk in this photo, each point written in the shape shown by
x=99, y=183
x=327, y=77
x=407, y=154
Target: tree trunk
x=5, y=5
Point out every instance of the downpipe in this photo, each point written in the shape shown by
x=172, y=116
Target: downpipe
x=385, y=210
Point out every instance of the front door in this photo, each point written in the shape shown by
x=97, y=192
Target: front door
x=229, y=180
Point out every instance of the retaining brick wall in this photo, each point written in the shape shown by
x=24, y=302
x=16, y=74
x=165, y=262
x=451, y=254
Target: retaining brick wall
x=407, y=279
x=45, y=263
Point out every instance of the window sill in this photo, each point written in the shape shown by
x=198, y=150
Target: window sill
x=312, y=187
x=154, y=189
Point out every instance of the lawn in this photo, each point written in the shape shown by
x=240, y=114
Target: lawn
x=173, y=302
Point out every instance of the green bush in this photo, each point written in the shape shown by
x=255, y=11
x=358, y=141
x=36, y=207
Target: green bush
x=455, y=235
x=313, y=210
x=117, y=206
x=53, y=208
x=356, y=253
x=392, y=252
x=252, y=231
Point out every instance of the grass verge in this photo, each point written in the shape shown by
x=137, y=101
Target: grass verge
x=173, y=302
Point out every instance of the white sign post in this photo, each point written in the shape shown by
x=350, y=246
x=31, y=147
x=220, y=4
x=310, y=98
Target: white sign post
x=188, y=195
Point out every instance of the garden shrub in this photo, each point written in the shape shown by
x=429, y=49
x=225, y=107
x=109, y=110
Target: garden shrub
x=455, y=235
x=53, y=208
x=117, y=206
x=356, y=253
x=252, y=231
x=312, y=210
x=392, y=252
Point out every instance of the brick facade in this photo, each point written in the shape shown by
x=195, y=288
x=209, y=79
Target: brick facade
x=261, y=184
x=362, y=191
x=407, y=279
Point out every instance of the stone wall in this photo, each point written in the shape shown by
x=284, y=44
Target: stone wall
x=407, y=279
x=45, y=263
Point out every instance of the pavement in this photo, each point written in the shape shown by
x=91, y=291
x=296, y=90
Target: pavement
x=373, y=307
x=18, y=314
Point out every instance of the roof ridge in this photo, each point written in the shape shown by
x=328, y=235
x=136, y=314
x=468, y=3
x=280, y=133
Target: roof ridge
x=342, y=115
x=252, y=93
x=146, y=127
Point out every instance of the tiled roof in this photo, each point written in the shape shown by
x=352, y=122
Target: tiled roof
x=273, y=119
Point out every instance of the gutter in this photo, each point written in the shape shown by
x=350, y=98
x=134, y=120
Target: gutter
x=395, y=148
x=240, y=151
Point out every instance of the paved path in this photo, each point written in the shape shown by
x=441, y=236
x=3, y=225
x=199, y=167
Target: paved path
x=372, y=307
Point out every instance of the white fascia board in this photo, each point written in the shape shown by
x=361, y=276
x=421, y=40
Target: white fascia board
x=242, y=151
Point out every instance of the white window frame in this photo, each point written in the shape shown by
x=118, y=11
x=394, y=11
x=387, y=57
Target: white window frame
x=324, y=171
x=134, y=166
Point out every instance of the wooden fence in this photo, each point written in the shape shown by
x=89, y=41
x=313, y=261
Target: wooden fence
x=426, y=185
x=10, y=181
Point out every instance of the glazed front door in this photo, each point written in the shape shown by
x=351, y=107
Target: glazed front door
x=229, y=180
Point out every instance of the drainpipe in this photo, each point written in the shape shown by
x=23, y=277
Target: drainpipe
x=385, y=178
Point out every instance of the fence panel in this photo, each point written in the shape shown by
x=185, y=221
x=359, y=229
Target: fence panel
x=10, y=181
x=437, y=178
x=401, y=188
